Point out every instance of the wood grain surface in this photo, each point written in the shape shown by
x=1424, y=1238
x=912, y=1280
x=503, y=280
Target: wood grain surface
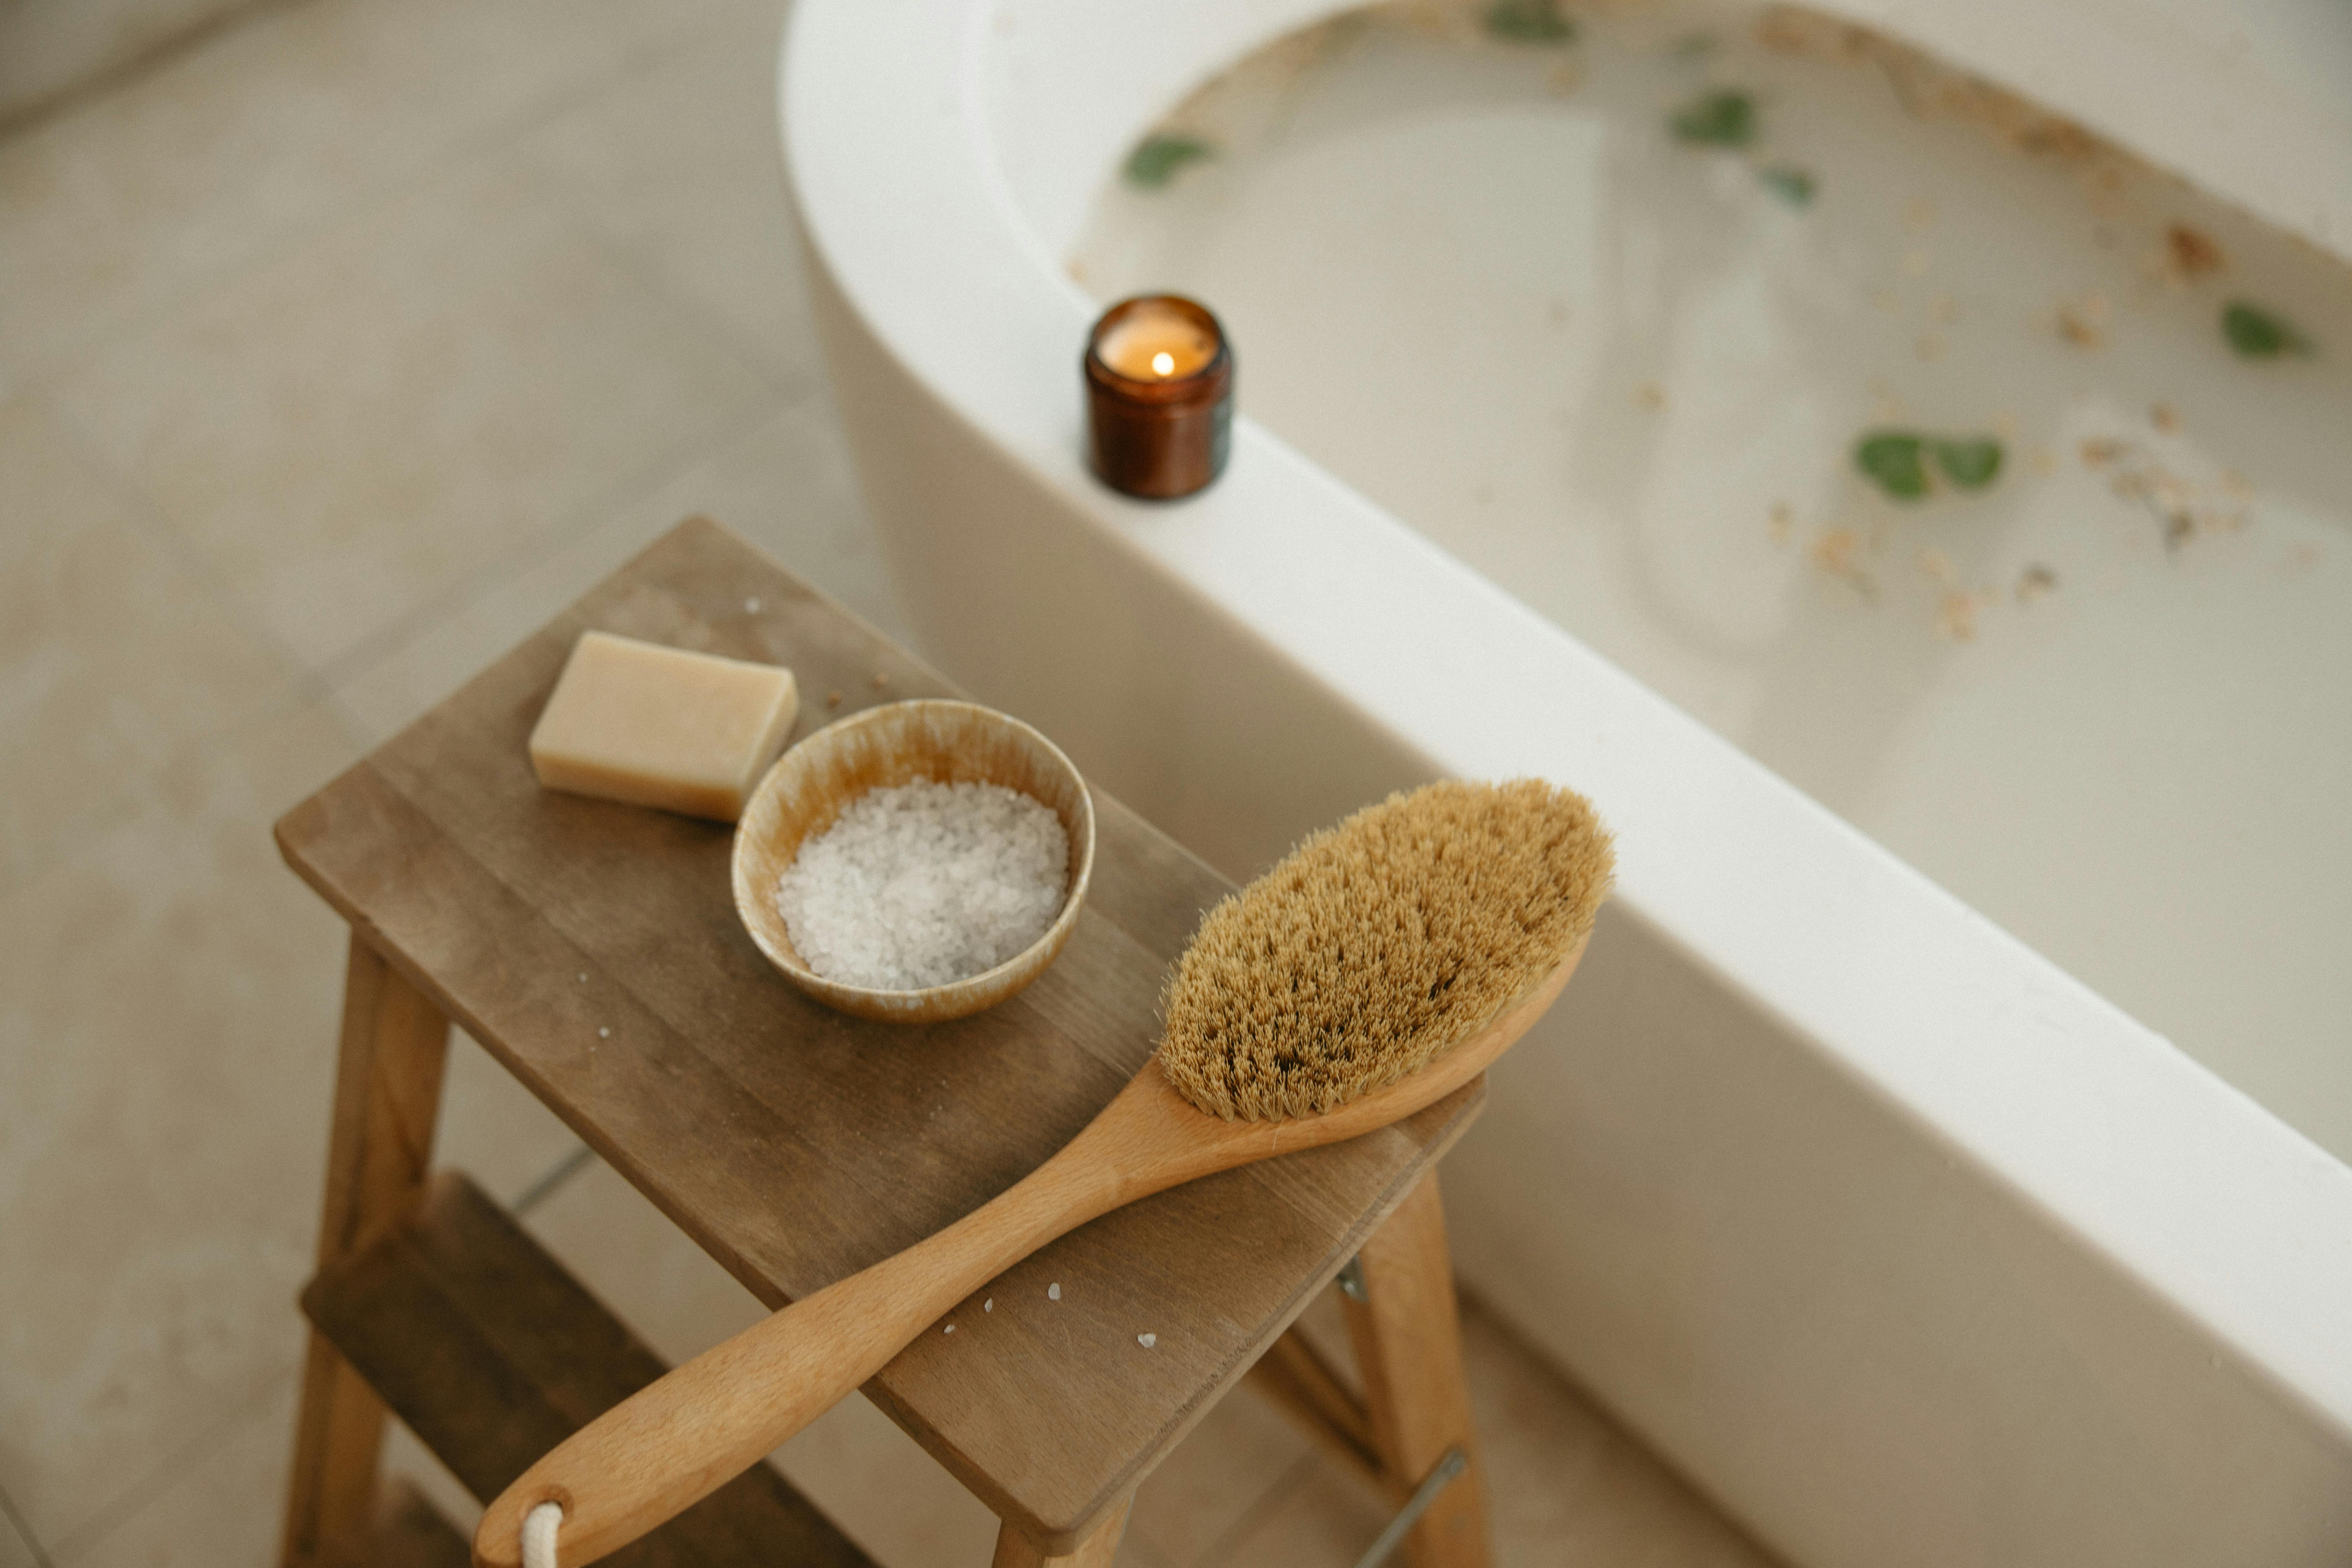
x=593, y=949
x=677, y=1440
x=1407, y=1334
x=390, y=1057
x=493, y=1353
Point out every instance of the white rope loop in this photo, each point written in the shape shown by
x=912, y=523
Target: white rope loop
x=539, y=1535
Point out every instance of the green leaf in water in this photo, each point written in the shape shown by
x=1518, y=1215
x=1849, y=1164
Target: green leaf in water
x=1156, y=159
x=2255, y=333
x=1790, y=183
x=1971, y=463
x=1894, y=460
x=1724, y=118
x=1529, y=22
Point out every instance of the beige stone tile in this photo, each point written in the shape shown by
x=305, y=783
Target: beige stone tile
x=221, y=1511
x=1322, y=1519
x=384, y=694
x=682, y=167
x=871, y=1477
x=1228, y=1463
x=1565, y=1484
x=224, y=1508
x=49, y=51
x=789, y=487
x=347, y=434
x=112, y=656
x=784, y=484
x=270, y=131
x=494, y=1129
x=168, y=1000
x=1134, y=1552
x=16, y=1549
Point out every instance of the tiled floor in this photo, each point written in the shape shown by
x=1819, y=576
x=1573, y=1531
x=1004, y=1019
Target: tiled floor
x=334, y=356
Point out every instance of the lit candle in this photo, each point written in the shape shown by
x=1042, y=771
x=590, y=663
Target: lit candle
x=1159, y=381
x=1155, y=343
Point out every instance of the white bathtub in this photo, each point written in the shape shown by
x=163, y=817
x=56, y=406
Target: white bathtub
x=1903, y=1244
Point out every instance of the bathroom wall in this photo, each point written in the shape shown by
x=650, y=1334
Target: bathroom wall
x=49, y=48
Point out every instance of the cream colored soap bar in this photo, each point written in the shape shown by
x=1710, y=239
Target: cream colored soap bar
x=659, y=726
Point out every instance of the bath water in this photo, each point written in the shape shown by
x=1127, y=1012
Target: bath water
x=1609, y=317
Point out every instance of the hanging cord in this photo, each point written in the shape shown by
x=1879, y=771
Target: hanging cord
x=539, y=1535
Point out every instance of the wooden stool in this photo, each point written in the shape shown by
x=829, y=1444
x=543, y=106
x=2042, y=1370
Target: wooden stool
x=593, y=949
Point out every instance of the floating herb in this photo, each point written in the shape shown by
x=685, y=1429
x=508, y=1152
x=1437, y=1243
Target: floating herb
x=1791, y=185
x=1529, y=22
x=2255, y=333
x=1971, y=463
x=1893, y=459
x=1896, y=460
x=1156, y=159
x=1724, y=118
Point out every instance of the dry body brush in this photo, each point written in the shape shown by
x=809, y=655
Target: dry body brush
x=1378, y=945
x=1381, y=966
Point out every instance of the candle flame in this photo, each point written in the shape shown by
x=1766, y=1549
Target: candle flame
x=1163, y=362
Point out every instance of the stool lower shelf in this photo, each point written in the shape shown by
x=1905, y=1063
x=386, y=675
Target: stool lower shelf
x=493, y=1353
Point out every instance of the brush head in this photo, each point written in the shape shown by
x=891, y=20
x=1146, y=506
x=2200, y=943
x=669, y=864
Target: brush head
x=1378, y=945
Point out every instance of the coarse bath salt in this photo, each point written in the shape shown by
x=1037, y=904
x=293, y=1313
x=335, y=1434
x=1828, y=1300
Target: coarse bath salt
x=921, y=884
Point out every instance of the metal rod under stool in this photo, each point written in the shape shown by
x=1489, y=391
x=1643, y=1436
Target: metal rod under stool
x=1449, y=1464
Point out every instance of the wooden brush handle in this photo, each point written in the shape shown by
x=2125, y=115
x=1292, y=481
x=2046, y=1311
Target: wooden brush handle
x=689, y=1432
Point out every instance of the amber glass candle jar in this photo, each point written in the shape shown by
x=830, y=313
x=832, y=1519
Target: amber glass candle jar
x=1159, y=396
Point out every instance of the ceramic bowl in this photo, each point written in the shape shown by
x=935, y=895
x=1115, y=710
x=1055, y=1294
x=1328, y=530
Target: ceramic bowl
x=947, y=742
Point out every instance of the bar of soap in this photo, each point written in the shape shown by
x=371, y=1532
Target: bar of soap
x=658, y=726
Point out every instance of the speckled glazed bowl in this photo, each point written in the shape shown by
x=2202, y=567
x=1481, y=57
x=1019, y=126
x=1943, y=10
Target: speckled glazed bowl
x=947, y=742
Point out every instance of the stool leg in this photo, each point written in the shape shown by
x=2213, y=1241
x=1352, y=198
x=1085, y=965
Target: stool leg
x=1015, y=1549
x=1407, y=1334
x=387, y=1098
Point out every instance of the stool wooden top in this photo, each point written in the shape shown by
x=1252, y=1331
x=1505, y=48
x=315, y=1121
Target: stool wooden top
x=796, y=1145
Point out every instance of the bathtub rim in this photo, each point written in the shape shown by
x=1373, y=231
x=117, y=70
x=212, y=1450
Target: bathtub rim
x=2235, y=1253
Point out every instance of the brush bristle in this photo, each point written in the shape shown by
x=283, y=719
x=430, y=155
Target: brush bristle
x=1376, y=946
